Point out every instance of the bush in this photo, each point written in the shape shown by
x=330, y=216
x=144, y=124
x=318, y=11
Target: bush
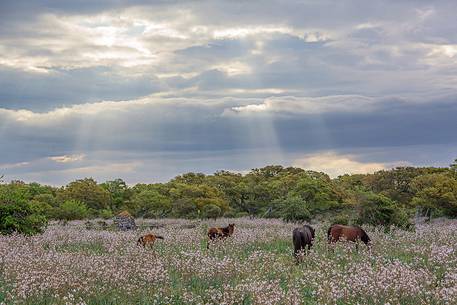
x=376, y=209
x=106, y=214
x=211, y=211
x=150, y=203
x=184, y=208
x=295, y=209
x=342, y=219
x=241, y=214
x=21, y=216
x=230, y=213
x=72, y=210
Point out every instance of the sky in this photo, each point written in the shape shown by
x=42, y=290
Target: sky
x=149, y=90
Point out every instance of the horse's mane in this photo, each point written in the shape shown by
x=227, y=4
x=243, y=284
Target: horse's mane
x=311, y=229
x=226, y=230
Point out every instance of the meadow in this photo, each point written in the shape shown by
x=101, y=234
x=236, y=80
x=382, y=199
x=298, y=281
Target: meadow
x=73, y=264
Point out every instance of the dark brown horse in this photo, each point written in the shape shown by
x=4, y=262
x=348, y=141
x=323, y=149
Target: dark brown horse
x=220, y=233
x=350, y=233
x=302, y=238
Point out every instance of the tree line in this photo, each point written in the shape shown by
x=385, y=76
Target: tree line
x=387, y=197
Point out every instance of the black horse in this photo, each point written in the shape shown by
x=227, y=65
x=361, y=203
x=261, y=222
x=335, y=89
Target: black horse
x=302, y=237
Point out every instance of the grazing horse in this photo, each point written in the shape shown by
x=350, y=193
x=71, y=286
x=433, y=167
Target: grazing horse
x=148, y=239
x=302, y=237
x=220, y=233
x=350, y=233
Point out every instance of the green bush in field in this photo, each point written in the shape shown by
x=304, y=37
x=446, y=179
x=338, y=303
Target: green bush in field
x=294, y=209
x=150, y=203
x=241, y=214
x=342, y=219
x=437, y=192
x=21, y=216
x=184, y=208
x=106, y=214
x=230, y=213
x=72, y=210
x=377, y=209
x=211, y=211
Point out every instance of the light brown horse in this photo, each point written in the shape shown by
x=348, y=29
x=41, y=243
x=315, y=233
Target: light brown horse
x=220, y=233
x=148, y=239
x=350, y=233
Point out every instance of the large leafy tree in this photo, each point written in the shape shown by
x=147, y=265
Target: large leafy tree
x=294, y=208
x=87, y=191
x=150, y=203
x=377, y=209
x=120, y=194
x=17, y=212
x=396, y=183
x=436, y=191
x=317, y=191
x=72, y=210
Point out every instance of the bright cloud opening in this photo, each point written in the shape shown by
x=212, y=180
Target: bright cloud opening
x=67, y=158
x=335, y=165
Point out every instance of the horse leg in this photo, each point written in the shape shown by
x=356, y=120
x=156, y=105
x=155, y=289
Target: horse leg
x=298, y=256
x=331, y=246
x=211, y=238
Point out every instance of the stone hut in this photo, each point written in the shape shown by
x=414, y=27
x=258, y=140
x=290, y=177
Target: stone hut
x=124, y=221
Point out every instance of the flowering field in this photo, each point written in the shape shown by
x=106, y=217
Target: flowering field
x=75, y=265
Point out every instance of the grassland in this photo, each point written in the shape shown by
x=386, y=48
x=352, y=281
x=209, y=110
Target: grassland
x=73, y=265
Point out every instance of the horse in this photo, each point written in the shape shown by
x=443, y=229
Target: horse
x=148, y=239
x=302, y=237
x=220, y=233
x=350, y=233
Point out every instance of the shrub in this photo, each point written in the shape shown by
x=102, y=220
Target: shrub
x=21, y=216
x=211, y=211
x=241, y=214
x=377, y=209
x=150, y=203
x=295, y=209
x=106, y=214
x=72, y=210
x=230, y=213
x=185, y=208
x=342, y=219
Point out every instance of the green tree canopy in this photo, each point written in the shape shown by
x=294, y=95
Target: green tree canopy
x=150, y=203
x=119, y=193
x=72, y=210
x=18, y=214
x=437, y=191
x=377, y=209
x=87, y=191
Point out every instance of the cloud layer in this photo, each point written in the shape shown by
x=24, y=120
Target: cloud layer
x=148, y=91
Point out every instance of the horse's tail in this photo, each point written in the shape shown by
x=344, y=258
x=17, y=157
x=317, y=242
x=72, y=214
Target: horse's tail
x=329, y=235
x=159, y=237
x=296, y=239
x=140, y=241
